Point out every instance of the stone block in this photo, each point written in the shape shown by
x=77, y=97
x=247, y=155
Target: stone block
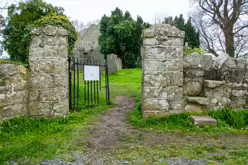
x=160, y=30
x=63, y=51
x=34, y=95
x=38, y=109
x=60, y=109
x=172, y=93
x=194, y=60
x=204, y=120
x=151, y=92
x=52, y=40
x=158, y=80
x=13, y=110
x=199, y=100
x=193, y=108
x=166, y=53
x=62, y=32
x=176, y=105
x=49, y=51
x=36, y=42
x=177, y=79
x=50, y=30
x=193, y=87
x=61, y=81
x=41, y=81
x=53, y=94
x=171, y=65
x=23, y=72
x=155, y=104
x=151, y=66
x=207, y=62
x=239, y=93
x=193, y=73
x=213, y=83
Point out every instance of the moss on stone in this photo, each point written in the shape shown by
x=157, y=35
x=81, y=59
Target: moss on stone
x=12, y=62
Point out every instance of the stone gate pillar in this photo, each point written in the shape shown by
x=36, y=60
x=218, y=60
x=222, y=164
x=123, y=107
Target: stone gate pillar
x=162, y=61
x=48, y=81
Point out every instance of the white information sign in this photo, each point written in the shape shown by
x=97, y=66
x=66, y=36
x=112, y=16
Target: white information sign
x=91, y=73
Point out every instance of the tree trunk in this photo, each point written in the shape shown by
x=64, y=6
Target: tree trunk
x=229, y=38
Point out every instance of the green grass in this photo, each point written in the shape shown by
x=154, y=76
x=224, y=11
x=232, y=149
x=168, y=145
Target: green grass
x=126, y=83
x=234, y=118
x=29, y=141
x=229, y=121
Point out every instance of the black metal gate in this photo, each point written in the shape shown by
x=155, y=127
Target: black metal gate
x=87, y=93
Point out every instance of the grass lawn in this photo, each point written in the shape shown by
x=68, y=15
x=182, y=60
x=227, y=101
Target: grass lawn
x=29, y=141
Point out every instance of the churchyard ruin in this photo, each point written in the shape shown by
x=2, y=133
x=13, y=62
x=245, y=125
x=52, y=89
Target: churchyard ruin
x=172, y=83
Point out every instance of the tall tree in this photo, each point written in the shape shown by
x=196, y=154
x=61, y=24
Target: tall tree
x=228, y=16
x=120, y=34
x=20, y=18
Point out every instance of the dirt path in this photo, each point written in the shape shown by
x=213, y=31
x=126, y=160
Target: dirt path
x=112, y=126
x=112, y=135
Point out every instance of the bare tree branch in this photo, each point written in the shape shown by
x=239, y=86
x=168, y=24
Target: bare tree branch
x=228, y=16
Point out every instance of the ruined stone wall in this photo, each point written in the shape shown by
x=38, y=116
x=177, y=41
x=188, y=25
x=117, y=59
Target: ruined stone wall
x=42, y=91
x=48, y=81
x=13, y=93
x=209, y=85
x=88, y=49
x=173, y=83
x=162, y=61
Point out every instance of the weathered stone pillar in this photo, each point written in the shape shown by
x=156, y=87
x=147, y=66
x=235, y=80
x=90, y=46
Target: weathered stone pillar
x=48, y=82
x=162, y=57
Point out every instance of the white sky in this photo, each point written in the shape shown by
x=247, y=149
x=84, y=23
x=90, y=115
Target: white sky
x=91, y=10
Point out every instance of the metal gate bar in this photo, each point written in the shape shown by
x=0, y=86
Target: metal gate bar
x=90, y=89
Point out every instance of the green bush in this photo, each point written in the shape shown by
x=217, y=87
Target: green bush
x=234, y=118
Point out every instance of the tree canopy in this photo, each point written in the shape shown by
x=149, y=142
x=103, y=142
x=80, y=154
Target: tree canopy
x=20, y=19
x=121, y=35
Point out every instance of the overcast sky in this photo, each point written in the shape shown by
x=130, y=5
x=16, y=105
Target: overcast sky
x=91, y=10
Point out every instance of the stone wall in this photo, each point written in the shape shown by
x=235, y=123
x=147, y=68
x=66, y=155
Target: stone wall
x=48, y=82
x=209, y=84
x=13, y=91
x=162, y=61
x=173, y=83
x=42, y=91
